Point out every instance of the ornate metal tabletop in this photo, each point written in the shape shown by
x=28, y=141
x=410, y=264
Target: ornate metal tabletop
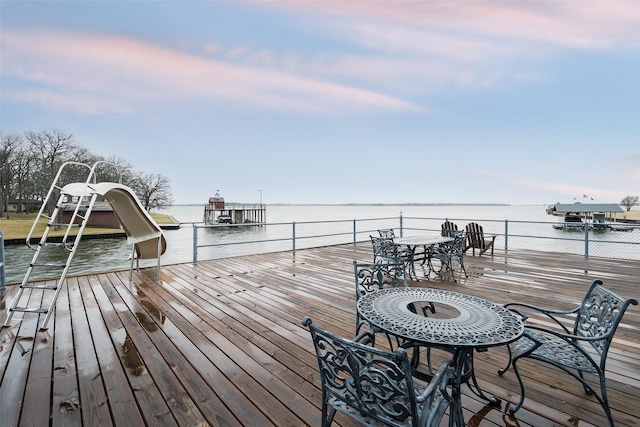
x=422, y=240
x=459, y=320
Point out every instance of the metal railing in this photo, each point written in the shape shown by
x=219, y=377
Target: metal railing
x=219, y=241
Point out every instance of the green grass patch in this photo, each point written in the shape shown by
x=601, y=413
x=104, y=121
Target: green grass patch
x=19, y=225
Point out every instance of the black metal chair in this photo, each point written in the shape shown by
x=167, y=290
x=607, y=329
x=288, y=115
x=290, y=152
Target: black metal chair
x=595, y=322
x=386, y=251
x=447, y=253
x=373, y=385
x=388, y=233
x=373, y=277
x=406, y=254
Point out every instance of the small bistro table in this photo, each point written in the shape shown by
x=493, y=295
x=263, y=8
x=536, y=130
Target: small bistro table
x=467, y=323
x=426, y=241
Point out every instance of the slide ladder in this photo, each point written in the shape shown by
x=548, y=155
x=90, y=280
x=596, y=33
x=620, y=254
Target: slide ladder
x=46, y=248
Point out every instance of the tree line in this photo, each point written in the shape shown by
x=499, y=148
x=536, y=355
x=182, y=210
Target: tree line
x=30, y=161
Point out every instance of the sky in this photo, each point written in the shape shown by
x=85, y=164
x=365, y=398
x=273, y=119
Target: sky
x=358, y=101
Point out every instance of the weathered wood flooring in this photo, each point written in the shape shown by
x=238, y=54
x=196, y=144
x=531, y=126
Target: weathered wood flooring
x=220, y=343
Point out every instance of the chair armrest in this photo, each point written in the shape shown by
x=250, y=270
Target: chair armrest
x=549, y=313
x=543, y=310
x=569, y=336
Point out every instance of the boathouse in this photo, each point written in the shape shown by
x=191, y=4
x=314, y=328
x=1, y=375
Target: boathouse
x=102, y=215
x=218, y=212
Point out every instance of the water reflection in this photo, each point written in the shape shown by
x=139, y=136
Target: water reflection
x=131, y=358
x=508, y=419
x=147, y=322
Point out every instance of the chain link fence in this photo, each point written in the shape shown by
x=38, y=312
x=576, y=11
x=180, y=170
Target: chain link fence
x=220, y=241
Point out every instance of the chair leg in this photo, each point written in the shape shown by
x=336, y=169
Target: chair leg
x=513, y=410
x=327, y=414
x=604, y=402
x=506, y=367
x=464, y=270
x=449, y=266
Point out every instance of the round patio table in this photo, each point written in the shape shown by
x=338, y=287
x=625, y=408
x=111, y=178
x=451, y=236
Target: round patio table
x=459, y=324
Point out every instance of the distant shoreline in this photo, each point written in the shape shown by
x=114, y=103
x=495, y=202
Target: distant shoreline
x=365, y=204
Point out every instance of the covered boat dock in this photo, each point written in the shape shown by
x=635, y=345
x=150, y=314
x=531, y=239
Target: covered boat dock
x=598, y=216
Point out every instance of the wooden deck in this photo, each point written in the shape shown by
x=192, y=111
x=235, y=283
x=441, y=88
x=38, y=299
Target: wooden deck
x=221, y=343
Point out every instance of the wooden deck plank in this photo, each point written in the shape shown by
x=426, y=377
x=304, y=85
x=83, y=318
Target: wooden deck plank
x=39, y=380
x=65, y=398
x=152, y=406
x=93, y=397
x=120, y=398
x=163, y=361
x=212, y=348
x=21, y=345
x=259, y=363
x=220, y=342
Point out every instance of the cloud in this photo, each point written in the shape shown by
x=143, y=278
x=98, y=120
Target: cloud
x=577, y=24
x=419, y=45
x=80, y=104
x=113, y=73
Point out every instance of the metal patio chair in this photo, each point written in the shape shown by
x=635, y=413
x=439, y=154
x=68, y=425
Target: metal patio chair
x=387, y=233
x=372, y=385
x=386, y=251
x=373, y=277
x=447, y=253
x=580, y=350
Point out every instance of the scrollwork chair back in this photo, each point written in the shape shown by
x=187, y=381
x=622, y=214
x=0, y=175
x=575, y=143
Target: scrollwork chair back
x=595, y=322
x=370, y=384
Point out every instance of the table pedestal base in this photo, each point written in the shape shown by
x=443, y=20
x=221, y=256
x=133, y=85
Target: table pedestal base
x=462, y=358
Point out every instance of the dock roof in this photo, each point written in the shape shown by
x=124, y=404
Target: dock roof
x=588, y=207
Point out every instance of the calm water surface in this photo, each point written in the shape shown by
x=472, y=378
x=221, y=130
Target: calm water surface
x=112, y=254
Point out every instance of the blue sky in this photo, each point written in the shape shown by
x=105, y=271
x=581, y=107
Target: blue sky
x=519, y=102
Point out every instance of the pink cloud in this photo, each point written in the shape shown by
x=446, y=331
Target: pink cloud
x=117, y=72
x=422, y=45
x=592, y=25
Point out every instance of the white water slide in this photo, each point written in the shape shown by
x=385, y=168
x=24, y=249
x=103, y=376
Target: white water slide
x=142, y=231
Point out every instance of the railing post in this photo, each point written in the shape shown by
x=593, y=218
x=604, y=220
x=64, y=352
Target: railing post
x=3, y=282
x=355, y=233
x=294, y=237
x=506, y=234
x=586, y=238
x=195, y=244
x=401, y=225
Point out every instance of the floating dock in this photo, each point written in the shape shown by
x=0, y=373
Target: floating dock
x=217, y=212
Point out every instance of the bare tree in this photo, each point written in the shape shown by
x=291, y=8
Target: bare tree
x=629, y=202
x=10, y=145
x=29, y=163
x=50, y=149
x=23, y=189
x=153, y=190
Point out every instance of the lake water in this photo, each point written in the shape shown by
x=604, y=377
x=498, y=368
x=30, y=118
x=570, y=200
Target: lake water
x=112, y=254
